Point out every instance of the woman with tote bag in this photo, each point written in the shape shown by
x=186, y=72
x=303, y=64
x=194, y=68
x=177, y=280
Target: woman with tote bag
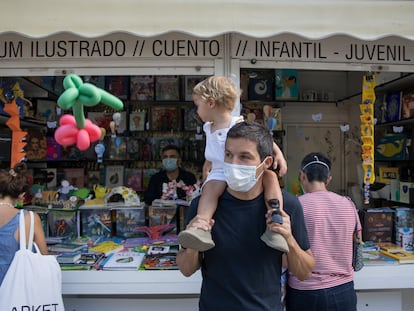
x=28, y=276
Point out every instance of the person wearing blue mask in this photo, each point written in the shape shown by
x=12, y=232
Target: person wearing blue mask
x=171, y=171
x=241, y=272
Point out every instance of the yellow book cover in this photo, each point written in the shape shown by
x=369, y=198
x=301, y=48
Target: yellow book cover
x=403, y=257
x=106, y=247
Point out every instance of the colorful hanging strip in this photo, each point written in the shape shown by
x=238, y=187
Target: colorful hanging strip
x=367, y=132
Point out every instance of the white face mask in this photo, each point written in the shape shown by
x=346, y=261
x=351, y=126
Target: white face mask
x=241, y=178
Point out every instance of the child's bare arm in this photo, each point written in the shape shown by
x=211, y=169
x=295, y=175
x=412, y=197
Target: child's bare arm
x=279, y=160
x=206, y=169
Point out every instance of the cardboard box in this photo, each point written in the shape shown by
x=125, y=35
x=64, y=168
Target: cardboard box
x=405, y=191
x=377, y=225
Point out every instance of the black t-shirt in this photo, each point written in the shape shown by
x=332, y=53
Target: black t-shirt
x=241, y=272
x=154, y=190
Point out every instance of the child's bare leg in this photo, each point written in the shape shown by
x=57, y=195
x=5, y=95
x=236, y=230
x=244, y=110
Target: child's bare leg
x=210, y=194
x=274, y=201
x=199, y=239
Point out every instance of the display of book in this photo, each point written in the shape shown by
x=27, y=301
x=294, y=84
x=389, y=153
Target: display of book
x=393, y=106
x=375, y=258
x=106, y=247
x=128, y=260
x=66, y=258
x=66, y=247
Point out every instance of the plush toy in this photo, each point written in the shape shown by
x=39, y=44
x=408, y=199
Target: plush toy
x=77, y=129
x=65, y=189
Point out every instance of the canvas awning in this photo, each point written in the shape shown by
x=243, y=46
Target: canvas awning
x=366, y=20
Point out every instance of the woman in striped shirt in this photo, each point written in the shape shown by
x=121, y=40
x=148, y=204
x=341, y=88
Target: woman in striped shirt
x=330, y=220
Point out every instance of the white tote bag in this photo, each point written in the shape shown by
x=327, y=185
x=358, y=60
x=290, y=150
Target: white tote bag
x=33, y=281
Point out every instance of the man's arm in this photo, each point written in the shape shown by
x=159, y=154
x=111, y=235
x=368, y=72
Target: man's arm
x=299, y=261
x=188, y=261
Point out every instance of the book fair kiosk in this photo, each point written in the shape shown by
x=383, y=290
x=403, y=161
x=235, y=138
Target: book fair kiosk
x=137, y=38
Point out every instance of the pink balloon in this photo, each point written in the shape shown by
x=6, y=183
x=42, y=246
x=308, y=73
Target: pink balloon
x=66, y=135
x=67, y=119
x=83, y=142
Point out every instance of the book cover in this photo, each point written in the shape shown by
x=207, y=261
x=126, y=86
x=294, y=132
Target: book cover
x=137, y=121
x=114, y=176
x=134, y=148
x=118, y=86
x=133, y=178
x=36, y=148
x=390, y=147
x=63, y=224
x=161, y=215
x=66, y=258
x=375, y=258
x=142, y=88
x=128, y=260
x=160, y=262
x=103, y=119
x=127, y=219
x=98, y=81
x=106, y=247
x=46, y=110
x=116, y=148
x=167, y=88
x=67, y=247
x=191, y=119
x=261, y=89
x=75, y=176
x=390, y=247
x=165, y=118
x=51, y=178
x=407, y=106
x=54, y=150
x=403, y=257
x=286, y=84
x=190, y=83
x=95, y=223
x=92, y=178
x=393, y=106
x=386, y=174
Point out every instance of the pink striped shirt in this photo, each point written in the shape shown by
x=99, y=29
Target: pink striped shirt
x=330, y=220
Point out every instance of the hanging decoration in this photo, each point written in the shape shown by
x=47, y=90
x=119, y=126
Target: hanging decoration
x=77, y=129
x=367, y=132
x=18, y=136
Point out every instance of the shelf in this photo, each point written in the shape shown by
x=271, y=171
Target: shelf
x=398, y=123
x=30, y=123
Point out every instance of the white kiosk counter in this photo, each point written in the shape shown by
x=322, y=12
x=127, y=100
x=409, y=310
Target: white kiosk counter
x=379, y=288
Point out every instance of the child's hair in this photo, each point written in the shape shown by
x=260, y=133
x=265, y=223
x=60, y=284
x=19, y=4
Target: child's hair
x=14, y=182
x=219, y=88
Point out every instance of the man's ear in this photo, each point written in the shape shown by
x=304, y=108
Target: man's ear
x=268, y=162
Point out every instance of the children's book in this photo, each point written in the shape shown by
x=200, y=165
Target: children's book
x=393, y=106
x=75, y=176
x=114, y=176
x=133, y=178
x=128, y=260
x=54, y=150
x=375, y=258
x=66, y=258
x=118, y=86
x=286, y=84
x=106, y=247
x=160, y=262
x=407, y=108
x=142, y=88
x=167, y=88
x=67, y=247
x=403, y=257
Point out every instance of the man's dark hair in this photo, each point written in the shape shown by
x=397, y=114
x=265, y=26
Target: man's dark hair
x=256, y=133
x=171, y=147
x=316, y=166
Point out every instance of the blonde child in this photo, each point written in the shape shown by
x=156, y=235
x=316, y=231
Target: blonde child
x=215, y=98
